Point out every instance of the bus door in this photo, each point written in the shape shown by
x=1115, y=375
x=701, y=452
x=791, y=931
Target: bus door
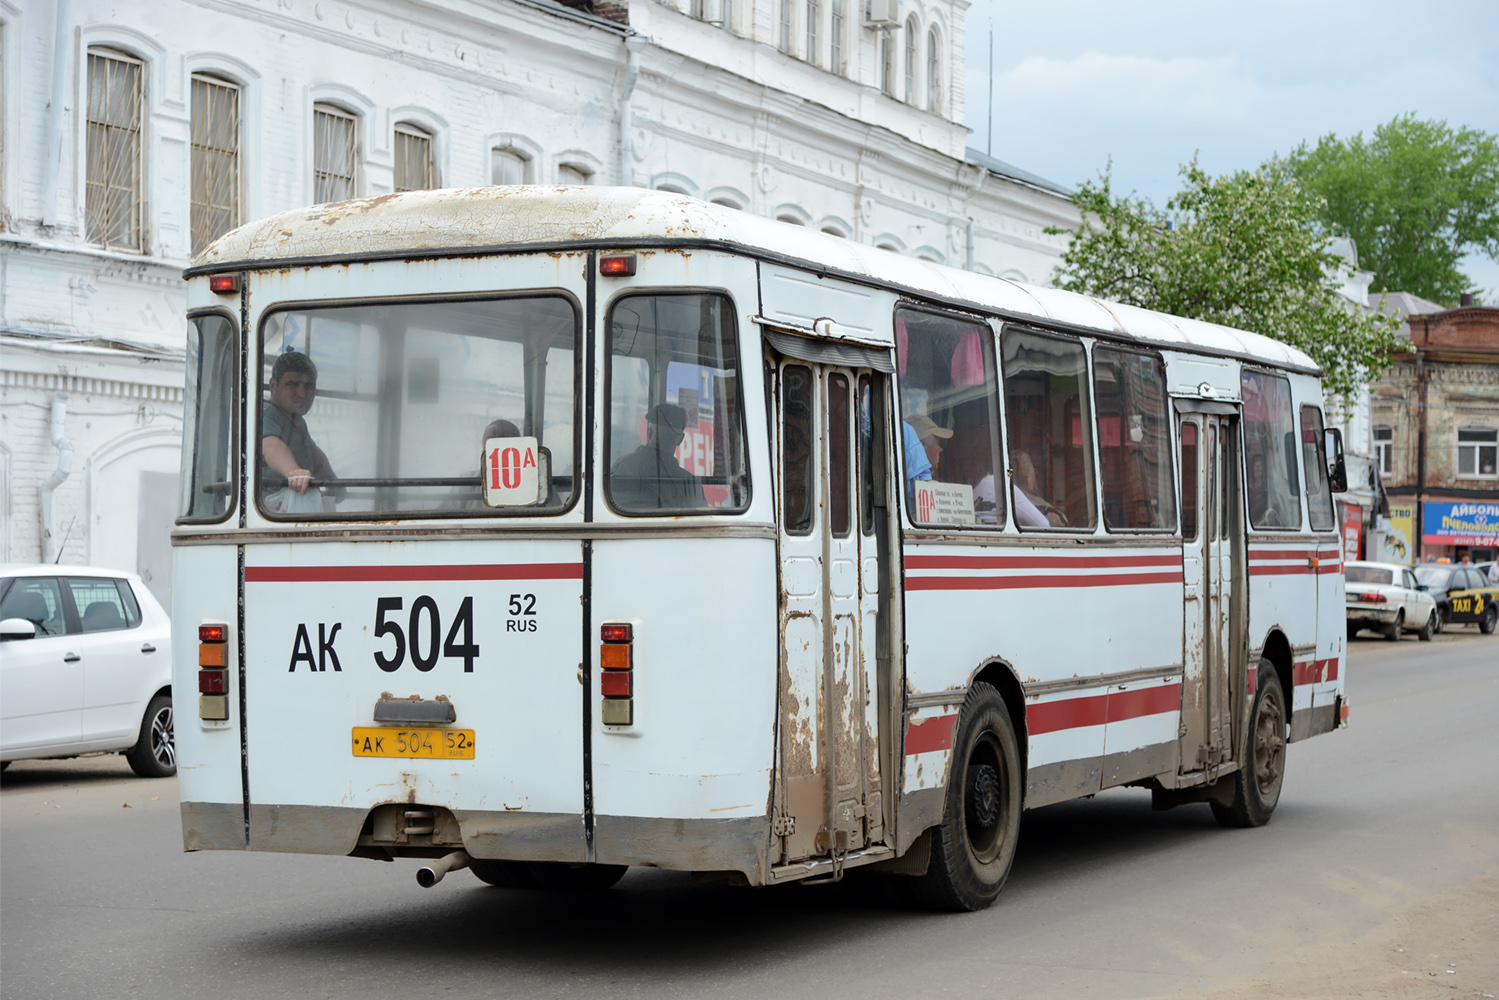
x=828, y=788
x=1212, y=554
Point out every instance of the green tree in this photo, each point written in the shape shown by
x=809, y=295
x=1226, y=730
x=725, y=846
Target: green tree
x=1416, y=198
x=1243, y=250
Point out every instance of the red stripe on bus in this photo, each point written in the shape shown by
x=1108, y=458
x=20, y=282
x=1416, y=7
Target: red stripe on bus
x=1278, y=570
x=413, y=574
x=1331, y=567
x=1037, y=582
x=1266, y=555
x=1072, y=713
x=1084, y=561
x=1309, y=671
x=926, y=735
x=1144, y=701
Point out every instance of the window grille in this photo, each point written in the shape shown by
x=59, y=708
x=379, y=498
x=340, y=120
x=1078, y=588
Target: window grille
x=887, y=64
x=415, y=170
x=112, y=190
x=933, y=71
x=784, y=41
x=911, y=61
x=215, y=156
x=814, y=15
x=334, y=154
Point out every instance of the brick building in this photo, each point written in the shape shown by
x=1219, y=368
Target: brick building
x=135, y=133
x=1436, y=432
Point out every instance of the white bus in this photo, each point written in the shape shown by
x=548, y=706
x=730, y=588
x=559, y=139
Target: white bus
x=553, y=531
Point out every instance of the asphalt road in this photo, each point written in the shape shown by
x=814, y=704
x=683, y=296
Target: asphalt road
x=1377, y=877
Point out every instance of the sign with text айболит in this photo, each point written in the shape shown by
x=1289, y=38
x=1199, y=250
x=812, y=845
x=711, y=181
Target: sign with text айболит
x=944, y=503
x=1465, y=523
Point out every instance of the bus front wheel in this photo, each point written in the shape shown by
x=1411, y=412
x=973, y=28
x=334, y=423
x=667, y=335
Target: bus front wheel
x=1256, y=784
x=974, y=846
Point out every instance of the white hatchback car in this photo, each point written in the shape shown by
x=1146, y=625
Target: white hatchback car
x=1386, y=597
x=85, y=667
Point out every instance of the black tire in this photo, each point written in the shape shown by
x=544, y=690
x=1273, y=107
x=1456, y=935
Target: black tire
x=1429, y=629
x=973, y=848
x=1396, y=627
x=1441, y=618
x=1352, y=630
x=1489, y=620
x=504, y=874
x=1257, y=783
x=155, y=753
x=575, y=878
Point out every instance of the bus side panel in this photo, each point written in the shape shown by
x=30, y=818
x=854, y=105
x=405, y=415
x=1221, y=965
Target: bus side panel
x=405, y=615
x=1063, y=620
x=687, y=785
x=208, y=759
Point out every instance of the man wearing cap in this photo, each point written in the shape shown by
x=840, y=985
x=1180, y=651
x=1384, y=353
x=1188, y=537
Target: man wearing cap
x=650, y=477
x=921, y=440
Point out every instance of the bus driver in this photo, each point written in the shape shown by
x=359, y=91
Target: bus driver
x=287, y=450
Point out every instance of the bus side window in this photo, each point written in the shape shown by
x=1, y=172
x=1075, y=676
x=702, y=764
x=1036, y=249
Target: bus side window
x=798, y=454
x=1314, y=461
x=1189, y=482
x=1050, y=428
x=838, y=465
x=1270, y=466
x=1134, y=440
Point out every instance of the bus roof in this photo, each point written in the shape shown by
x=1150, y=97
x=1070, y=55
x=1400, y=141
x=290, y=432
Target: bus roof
x=452, y=221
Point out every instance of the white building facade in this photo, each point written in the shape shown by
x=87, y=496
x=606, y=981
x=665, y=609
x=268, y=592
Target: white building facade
x=135, y=133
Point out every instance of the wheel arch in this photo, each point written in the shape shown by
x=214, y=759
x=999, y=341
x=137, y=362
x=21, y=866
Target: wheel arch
x=1277, y=649
x=1000, y=675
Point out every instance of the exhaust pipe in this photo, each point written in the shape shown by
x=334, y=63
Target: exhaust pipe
x=432, y=874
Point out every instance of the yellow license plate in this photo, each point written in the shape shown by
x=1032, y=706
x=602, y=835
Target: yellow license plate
x=420, y=744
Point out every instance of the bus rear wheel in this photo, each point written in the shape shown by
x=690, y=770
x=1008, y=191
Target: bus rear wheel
x=1257, y=782
x=575, y=878
x=503, y=874
x=973, y=848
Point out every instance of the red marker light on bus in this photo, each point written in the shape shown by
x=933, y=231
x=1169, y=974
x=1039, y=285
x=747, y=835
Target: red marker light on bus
x=213, y=682
x=213, y=633
x=619, y=267
x=617, y=632
x=224, y=284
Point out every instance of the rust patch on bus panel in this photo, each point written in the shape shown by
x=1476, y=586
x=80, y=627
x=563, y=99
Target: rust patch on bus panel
x=797, y=721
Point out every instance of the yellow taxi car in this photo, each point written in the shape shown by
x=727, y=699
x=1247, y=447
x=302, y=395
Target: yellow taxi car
x=1463, y=594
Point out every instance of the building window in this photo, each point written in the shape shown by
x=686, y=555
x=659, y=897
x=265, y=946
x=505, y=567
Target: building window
x=215, y=155
x=1384, y=450
x=112, y=191
x=712, y=11
x=571, y=173
x=334, y=154
x=814, y=16
x=790, y=220
x=835, y=38
x=933, y=71
x=509, y=166
x=783, y=40
x=1478, y=453
x=911, y=61
x=887, y=64
x=415, y=169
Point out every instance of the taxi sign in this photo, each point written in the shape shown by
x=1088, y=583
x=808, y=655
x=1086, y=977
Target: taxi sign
x=511, y=472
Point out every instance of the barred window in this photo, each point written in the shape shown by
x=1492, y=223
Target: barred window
x=814, y=15
x=334, y=154
x=415, y=170
x=783, y=40
x=112, y=191
x=215, y=167
x=887, y=63
x=911, y=61
x=933, y=71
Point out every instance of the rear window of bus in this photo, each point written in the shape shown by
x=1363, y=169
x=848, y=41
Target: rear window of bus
x=382, y=410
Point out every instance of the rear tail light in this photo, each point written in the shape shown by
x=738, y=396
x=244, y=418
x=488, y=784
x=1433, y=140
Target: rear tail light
x=1373, y=598
x=617, y=673
x=213, y=673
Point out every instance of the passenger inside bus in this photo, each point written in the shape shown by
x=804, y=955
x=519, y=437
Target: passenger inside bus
x=1031, y=509
x=1264, y=503
x=290, y=459
x=922, y=441
x=650, y=476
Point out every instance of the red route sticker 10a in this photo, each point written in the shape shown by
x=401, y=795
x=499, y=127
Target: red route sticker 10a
x=511, y=476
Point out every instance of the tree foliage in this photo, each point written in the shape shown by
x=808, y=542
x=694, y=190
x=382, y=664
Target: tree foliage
x=1415, y=198
x=1242, y=250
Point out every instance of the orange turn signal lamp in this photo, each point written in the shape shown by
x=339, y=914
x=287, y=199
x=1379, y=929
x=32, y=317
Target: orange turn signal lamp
x=224, y=284
x=213, y=673
x=622, y=266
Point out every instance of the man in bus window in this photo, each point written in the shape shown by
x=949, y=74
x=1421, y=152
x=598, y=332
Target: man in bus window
x=921, y=442
x=287, y=450
x=650, y=476
x=1264, y=508
x=1027, y=497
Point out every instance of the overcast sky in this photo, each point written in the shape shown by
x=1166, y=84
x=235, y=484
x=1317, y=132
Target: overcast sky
x=1151, y=82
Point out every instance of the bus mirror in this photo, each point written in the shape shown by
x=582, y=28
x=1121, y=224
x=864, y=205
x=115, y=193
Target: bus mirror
x=1337, y=472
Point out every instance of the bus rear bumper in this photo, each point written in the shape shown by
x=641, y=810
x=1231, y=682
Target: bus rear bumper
x=739, y=844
